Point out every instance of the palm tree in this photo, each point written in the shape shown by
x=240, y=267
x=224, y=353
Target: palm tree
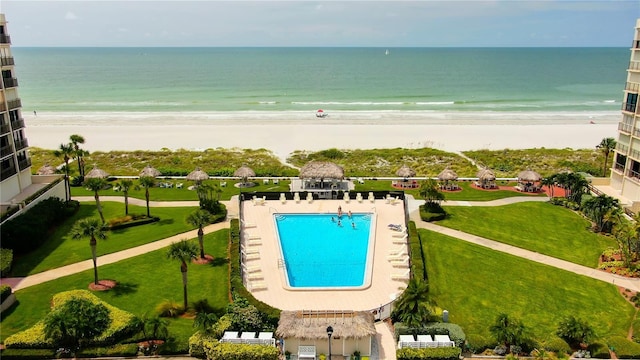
x=430, y=193
x=147, y=182
x=199, y=219
x=94, y=230
x=507, y=330
x=65, y=151
x=95, y=185
x=184, y=251
x=549, y=182
x=414, y=307
x=606, y=146
x=78, y=153
x=600, y=208
x=125, y=185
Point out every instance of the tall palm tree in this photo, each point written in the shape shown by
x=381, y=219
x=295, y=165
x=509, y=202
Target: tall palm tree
x=199, y=219
x=507, y=330
x=147, y=182
x=65, y=151
x=94, y=230
x=606, y=146
x=95, y=185
x=183, y=251
x=414, y=307
x=599, y=208
x=430, y=193
x=549, y=182
x=125, y=186
x=78, y=153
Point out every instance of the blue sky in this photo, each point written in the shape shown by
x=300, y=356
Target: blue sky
x=321, y=23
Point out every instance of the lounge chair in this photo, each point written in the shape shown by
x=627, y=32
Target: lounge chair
x=400, y=262
x=255, y=275
x=405, y=275
x=309, y=198
x=250, y=256
x=359, y=197
x=247, y=225
x=283, y=198
x=397, y=255
x=254, y=241
x=255, y=285
x=252, y=268
x=400, y=240
x=296, y=197
x=265, y=181
x=179, y=186
x=116, y=188
x=246, y=251
x=346, y=197
x=371, y=197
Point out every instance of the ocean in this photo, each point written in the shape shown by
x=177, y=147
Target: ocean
x=333, y=79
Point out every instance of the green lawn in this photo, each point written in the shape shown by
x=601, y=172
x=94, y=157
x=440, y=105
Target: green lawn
x=61, y=250
x=184, y=194
x=541, y=227
x=475, y=284
x=143, y=283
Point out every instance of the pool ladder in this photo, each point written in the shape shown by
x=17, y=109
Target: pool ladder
x=280, y=263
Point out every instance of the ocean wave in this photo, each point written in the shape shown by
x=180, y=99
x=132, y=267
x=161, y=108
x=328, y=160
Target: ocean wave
x=128, y=103
x=267, y=102
x=435, y=103
x=365, y=103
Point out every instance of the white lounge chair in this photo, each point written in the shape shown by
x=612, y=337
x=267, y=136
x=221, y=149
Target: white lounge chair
x=223, y=184
x=401, y=262
x=399, y=240
x=405, y=275
x=265, y=181
x=276, y=181
x=250, y=256
x=255, y=285
x=283, y=198
x=249, y=236
x=254, y=242
x=346, y=197
x=179, y=186
x=397, y=256
x=371, y=197
x=359, y=198
x=247, y=225
x=296, y=197
x=309, y=198
x=250, y=269
x=255, y=275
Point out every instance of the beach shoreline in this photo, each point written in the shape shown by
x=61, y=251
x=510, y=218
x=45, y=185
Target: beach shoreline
x=284, y=132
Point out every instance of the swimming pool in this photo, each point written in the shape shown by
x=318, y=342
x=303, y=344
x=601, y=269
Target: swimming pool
x=318, y=253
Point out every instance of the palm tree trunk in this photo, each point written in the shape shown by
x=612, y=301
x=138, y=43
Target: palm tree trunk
x=146, y=194
x=67, y=188
x=183, y=269
x=97, y=197
x=93, y=244
x=604, y=170
x=126, y=203
x=201, y=241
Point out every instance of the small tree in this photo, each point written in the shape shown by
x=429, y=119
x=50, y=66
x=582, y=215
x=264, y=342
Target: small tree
x=183, y=251
x=95, y=185
x=606, y=146
x=74, y=321
x=147, y=182
x=430, y=193
x=508, y=331
x=78, y=153
x=125, y=185
x=65, y=151
x=575, y=331
x=414, y=306
x=94, y=230
x=199, y=219
x=599, y=209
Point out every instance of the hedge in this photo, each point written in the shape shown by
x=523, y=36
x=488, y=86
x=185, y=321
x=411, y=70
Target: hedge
x=433, y=212
x=478, y=343
x=27, y=354
x=418, y=267
x=173, y=347
x=122, y=324
x=5, y=291
x=6, y=261
x=226, y=351
x=441, y=353
x=455, y=332
x=599, y=351
x=118, y=224
x=111, y=351
x=556, y=345
x=624, y=348
x=196, y=344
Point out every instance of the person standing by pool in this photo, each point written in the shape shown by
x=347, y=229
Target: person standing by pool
x=349, y=214
x=353, y=225
x=339, y=211
x=339, y=223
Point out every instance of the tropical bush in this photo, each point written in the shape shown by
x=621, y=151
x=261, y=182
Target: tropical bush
x=119, y=350
x=28, y=354
x=624, y=348
x=5, y=291
x=599, y=351
x=197, y=343
x=432, y=212
x=226, y=351
x=6, y=260
x=29, y=230
x=169, y=308
x=442, y=353
x=575, y=331
x=478, y=343
x=556, y=345
x=130, y=221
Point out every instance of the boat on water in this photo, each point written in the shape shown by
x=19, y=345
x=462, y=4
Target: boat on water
x=321, y=113
x=386, y=52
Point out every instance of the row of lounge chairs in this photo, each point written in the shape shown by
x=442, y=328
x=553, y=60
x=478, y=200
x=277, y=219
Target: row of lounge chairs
x=249, y=337
x=359, y=197
x=425, y=341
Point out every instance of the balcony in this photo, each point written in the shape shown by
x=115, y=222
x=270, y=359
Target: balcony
x=24, y=163
x=634, y=65
x=627, y=128
x=7, y=61
x=628, y=107
x=4, y=128
x=634, y=175
x=635, y=154
x=618, y=167
x=5, y=151
x=636, y=133
x=633, y=87
x=14, y=104
x=622, y=149
x=21, y=144
x=8, y=172
x=5, y=39
x=10, y=82
x=17, y=124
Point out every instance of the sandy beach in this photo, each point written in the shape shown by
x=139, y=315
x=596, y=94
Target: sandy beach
x=285, y=132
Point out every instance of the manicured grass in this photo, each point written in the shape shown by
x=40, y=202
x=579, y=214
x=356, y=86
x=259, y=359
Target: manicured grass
x=475, y=284
x=60, y=249
x=143, y=283
x=184, y=194
x=541, y=227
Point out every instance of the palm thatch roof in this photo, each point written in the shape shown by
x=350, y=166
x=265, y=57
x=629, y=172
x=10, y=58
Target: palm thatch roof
x=244, y=172
x=486, y=175
x=96, y=173
x=529, y=175
x=46, y=169
x=197, y=175
x=406, y=171
x=321, y=170
x=312, y=325
x=150, y=171
x=447, y=175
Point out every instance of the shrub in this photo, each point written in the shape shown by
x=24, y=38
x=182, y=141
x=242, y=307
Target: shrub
x=574, y=331
x=478, y=343
x=418, y=267
x=226, y=351
x=432, y=212
x=443, y=353
x=6, y=260
x=624, y=348
x=27, y=354
x=599, y=351
x=197, y=341
x=118, y=350
x=130, y=221
x=5, y=291
x=173, y=347
x=556, y=345
x=169, y=308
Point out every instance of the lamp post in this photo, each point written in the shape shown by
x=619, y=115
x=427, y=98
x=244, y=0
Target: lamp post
x=329, y=333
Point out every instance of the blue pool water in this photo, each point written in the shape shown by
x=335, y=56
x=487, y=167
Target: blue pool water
x=320, y=254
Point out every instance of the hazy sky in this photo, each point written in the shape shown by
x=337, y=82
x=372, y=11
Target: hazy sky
x=321, y=23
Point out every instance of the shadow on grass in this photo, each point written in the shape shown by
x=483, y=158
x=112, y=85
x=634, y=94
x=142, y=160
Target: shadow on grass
x=219, y=262
x=124, y=288
x=166, y=221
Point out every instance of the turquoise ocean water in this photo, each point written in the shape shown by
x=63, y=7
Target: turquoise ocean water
x=304, y=79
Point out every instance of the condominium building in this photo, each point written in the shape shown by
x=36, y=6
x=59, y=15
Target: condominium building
x=17, y=186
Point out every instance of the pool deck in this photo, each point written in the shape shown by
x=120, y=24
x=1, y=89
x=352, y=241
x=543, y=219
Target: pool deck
x=267, y=282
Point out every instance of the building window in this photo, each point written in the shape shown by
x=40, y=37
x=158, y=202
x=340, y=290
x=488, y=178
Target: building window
x=632, y=101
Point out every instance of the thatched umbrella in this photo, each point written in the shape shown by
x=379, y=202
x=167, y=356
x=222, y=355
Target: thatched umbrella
x=486, y=177
x=312, y=325
x=321, y=170
x=198, y=176
x=447, y=175
x=150, y=171
x=529, y=176
x=96, y=173
x=244, y=172
x=47, y=169
x=406, y=172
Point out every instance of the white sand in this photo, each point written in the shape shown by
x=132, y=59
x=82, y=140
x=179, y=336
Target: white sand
x=284, y=132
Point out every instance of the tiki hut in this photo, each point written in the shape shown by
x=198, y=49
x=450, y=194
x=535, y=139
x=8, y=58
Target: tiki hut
x=197, y=176
x=150, y=171
x=528, y=181
x=315, y=171
x=46, y=169
x=96, y=173
x=486, y=179
x=244, y=172
x=405, y=172
x=447, y=179
x=352, y=330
